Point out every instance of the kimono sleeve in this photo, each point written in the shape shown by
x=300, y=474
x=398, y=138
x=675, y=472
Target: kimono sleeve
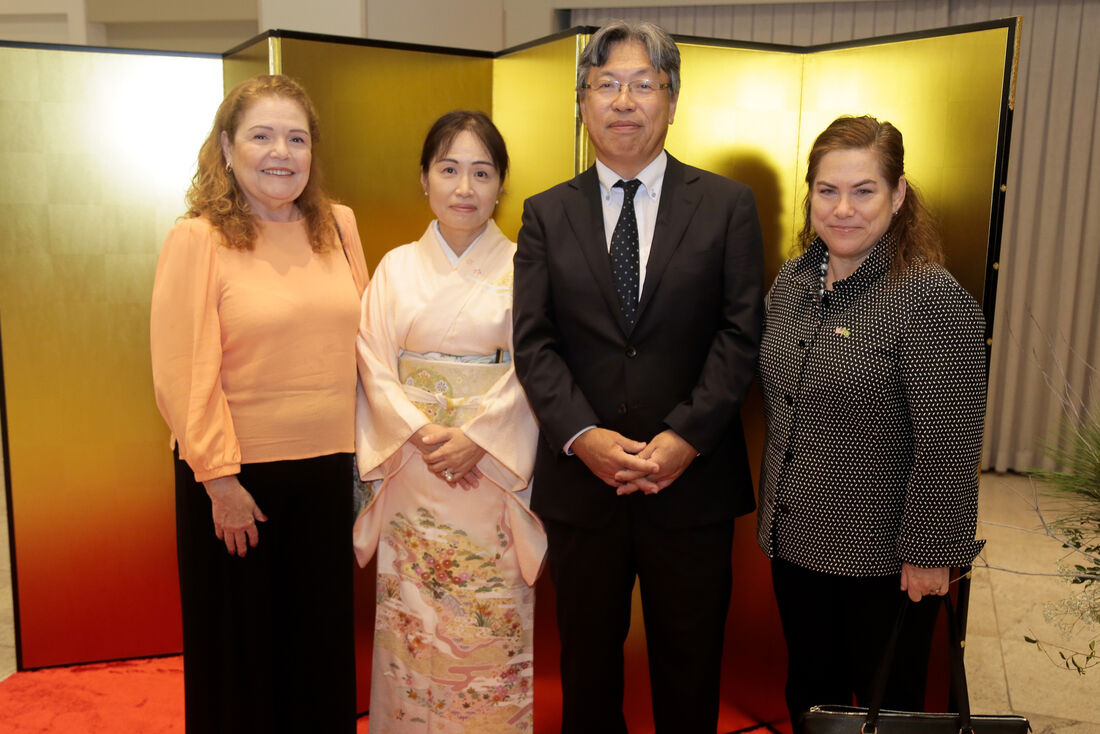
x=505, y=427
x=186, y=347
x=390, y=418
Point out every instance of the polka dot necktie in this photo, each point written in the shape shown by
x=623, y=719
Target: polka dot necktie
x=624, y=252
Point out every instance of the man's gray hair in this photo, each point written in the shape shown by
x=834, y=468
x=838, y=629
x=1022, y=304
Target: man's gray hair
x=661, y=49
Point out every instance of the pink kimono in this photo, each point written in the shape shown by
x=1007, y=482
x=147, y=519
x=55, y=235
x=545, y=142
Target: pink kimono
x=455, y=604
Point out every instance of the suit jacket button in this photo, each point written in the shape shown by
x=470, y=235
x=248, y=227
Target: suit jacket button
x=622, y=408
x=788, y=399
x=631, y=352
x=784, y=508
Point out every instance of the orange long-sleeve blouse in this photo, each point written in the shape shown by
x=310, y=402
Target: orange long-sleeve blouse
x=254, y=350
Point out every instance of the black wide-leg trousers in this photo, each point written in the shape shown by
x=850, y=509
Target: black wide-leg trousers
x=268, y=639
x=836, y=628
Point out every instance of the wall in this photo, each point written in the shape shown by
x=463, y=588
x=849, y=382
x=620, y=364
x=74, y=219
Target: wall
x=160, y=11
x=210, y=26
x=476, y=24
x=48, y=21
x=201, y=25
x=207, y=26
x=334, y=17
x=195, y=37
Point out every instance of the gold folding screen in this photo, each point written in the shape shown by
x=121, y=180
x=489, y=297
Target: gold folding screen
x=102, y=150
x=97, y=152
x=737, y=115
x=376, y=103
x=945, y=95
x=533, y=107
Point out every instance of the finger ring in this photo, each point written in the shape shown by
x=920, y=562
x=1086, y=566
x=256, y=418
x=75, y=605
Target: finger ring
x=448, y=475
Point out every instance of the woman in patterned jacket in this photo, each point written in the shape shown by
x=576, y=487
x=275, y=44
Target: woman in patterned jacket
x=874, y=376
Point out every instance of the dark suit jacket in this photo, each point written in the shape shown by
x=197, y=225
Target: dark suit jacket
x=685, y=365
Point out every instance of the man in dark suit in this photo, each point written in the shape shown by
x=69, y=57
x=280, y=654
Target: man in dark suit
x=637, y=319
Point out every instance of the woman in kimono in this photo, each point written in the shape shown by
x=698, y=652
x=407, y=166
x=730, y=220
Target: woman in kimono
x=450, y=436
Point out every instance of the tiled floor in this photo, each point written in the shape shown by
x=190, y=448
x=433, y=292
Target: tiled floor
x=1006, y=674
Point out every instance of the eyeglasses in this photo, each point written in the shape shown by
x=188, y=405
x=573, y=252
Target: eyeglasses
x=640, y=88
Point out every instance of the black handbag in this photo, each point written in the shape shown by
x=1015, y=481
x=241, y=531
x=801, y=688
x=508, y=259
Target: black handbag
x=875, y=720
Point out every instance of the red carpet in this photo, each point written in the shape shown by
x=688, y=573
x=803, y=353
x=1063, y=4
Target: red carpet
x=134, y=696
x=124, y=697
x=146, y=697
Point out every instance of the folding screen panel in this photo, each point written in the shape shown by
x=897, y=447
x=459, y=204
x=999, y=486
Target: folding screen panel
x=98, y=150
x=376, y=104
x=947, y=94
x=251, y=58
x=737, y=115
x=533, y=107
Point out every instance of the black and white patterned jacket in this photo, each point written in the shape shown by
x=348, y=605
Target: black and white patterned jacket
x=875, y=400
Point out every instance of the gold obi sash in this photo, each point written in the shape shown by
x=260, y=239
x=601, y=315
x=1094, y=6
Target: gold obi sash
x=449, y=390
x=446, y=389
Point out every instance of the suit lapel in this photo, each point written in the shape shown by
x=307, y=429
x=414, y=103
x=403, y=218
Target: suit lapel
x=679, y=199
x=584, y=211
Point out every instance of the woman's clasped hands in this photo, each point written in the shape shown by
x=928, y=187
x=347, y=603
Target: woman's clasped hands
x=449, y=454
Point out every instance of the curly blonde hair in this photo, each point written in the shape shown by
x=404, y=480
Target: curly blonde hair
x=214, y=192
x=915, y=234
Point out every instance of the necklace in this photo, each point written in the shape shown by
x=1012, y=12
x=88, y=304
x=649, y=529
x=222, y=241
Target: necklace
x=824, y=270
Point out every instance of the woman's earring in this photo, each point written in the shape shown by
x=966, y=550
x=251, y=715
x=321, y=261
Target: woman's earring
x=228, y=167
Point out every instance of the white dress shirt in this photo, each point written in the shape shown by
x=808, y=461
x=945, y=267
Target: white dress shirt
x=646, y=201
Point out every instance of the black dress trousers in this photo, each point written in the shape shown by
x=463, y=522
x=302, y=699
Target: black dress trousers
x=685, y=578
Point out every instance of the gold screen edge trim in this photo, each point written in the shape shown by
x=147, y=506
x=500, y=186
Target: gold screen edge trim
x=1015, y=62
x=580, y=144
x=275, y=55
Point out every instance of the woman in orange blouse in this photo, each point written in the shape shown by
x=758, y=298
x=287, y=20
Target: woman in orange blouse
x=254, y=318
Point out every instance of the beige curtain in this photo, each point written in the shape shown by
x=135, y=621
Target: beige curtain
x=1046, y=343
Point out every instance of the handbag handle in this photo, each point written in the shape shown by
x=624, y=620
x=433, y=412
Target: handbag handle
x=958, y=670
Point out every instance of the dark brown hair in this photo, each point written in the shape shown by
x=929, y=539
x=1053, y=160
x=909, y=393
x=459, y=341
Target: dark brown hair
x=915, y=235
x=446, y=129
x=215, y=193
